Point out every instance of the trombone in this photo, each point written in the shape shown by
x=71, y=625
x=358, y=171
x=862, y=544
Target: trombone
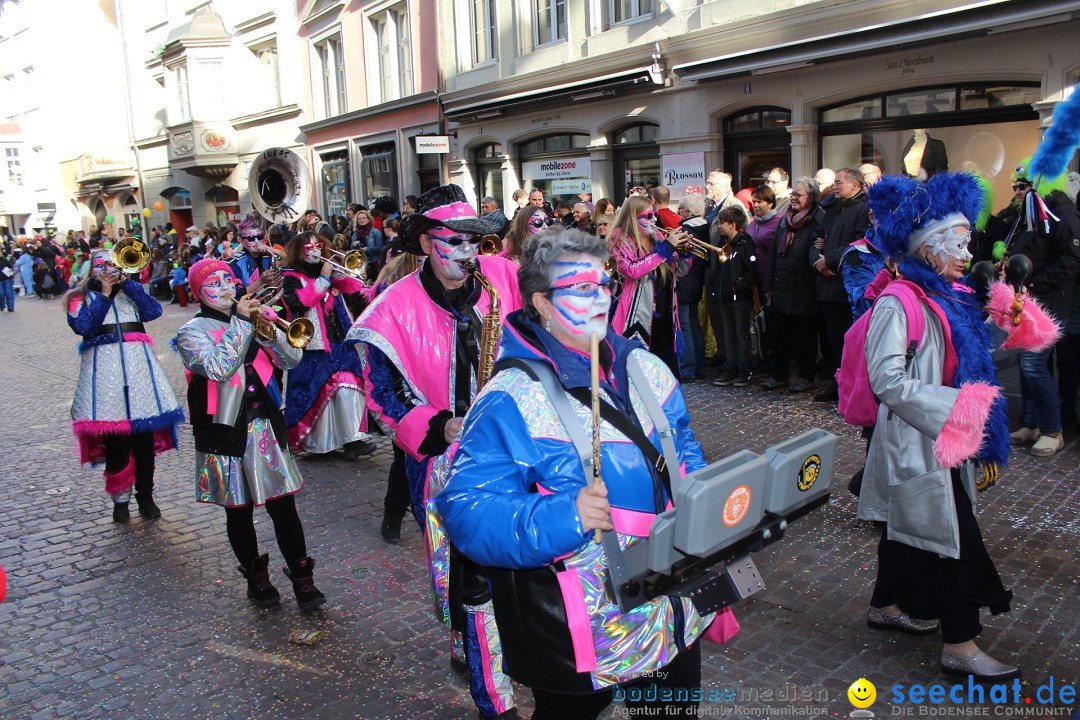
x=298, y=333
x=698, y=248
x=130, y=256
x=353, y=263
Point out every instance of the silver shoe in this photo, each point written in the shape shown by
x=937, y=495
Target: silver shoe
x=979, y=666
x=903, y=622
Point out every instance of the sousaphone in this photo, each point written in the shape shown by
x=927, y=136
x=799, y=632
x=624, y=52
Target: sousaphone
x=279, y=184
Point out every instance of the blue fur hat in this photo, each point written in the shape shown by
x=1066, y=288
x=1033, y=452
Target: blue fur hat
x=905, y=208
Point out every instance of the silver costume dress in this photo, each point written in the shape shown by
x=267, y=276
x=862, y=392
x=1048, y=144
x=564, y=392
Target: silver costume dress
x=217, y=350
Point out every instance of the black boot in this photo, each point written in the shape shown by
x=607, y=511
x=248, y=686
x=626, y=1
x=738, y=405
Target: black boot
x=308, y=596
x=356, y=448
x=391, y=528
x=147, y=508
x=260, y=590
x=120, y=512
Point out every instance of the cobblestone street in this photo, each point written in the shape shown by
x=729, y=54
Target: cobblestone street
x=150, y=620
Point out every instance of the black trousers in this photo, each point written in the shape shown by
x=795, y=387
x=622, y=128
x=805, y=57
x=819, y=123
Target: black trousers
x=140, y=447
x=681, y=674
x=240, y=526
x=796, y=337
x=397, y=500
x=837, y=319
x=736, y=323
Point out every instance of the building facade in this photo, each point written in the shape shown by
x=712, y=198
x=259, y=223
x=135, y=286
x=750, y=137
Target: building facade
x=605, y=95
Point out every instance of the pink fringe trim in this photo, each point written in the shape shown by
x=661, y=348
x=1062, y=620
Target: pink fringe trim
x=309, y=295
x=723, y=627
x=138, y=337
x=1036, y=331
x=963, y=431
x=91, y=434
x=120, y=482
x=347, y=285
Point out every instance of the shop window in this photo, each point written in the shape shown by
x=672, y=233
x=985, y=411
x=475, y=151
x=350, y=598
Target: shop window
x=643, y=132
x=378, y=171
x=920, y=103
x=989, y=98
x=335, y=182
x=869, y=109
x=758, y=119
x=487, y=160
x=554, y=143
x=226, y=204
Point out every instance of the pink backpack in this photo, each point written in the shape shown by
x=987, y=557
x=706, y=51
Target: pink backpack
x=858, y=405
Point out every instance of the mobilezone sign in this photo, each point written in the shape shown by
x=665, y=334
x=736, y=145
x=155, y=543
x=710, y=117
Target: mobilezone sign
x=557, y=169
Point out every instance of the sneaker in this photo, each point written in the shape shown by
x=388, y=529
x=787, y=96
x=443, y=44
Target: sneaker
x=743, y=379
x=726, y=378
x=1024, y=435
x=771, y=383
x=801, y=385
x=1048, y=445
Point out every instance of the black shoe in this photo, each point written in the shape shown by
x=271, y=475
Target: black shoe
x=308, y=596
x=801, y=385
x=260, y=590
x=511, y=714
x=147, y=508
x=830, y=395
x=460, y=667
x=356, y=448
x=854, y=485
x=391, y=529
x=120, y=512
x=743, y=379
x=726, y=378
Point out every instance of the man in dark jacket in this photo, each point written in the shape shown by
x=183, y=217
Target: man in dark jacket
x=845, y=222
x=1055, y=259
x=732, y=286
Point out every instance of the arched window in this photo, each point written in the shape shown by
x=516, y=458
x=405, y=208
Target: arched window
x=487, y=165
x=558, y=165
x=755, y=141
x=637, y=133
x=637, y=157
x=554, y=143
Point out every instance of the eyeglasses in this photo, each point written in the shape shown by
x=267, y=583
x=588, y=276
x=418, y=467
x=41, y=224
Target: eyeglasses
x=537, y=223
x=798, y=195
x=603, y=224
x=650, y=216
x=1021, y=186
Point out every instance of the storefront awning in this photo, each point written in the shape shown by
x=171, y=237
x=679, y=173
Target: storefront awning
x=975, y=19
x=569, y=93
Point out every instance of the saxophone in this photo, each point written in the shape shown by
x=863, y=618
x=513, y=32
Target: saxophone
x=490, y=329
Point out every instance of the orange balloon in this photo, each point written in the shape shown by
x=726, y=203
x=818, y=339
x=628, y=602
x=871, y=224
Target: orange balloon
x=159, y=206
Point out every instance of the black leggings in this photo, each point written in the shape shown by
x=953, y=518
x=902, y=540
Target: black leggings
x=121, y=448
x=682, y=675
x=287, y=529
x=398, y=499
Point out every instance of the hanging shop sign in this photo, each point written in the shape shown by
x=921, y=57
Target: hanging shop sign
x=432, y=144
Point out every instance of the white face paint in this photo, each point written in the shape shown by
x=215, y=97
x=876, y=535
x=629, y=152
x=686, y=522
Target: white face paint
x=447, y=258
x=950, y=250
x=581, y=297
x=539, y=221
x=312, y=252
x=101, y=264
x=218, y=290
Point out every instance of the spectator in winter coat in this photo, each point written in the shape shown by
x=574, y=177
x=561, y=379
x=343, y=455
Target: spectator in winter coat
x=762, y=227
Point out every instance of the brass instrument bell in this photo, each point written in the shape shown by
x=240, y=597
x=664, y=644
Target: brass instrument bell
x=491, y=244
x=298, y=333
x=130, y=256
x=352, y=263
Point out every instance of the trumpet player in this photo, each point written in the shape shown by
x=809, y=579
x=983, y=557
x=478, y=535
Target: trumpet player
x=325, y=406
x=241, y=457
x=124, y=412
x=422, y=346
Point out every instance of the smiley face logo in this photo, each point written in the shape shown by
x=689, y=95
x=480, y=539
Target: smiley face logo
x=862, y=693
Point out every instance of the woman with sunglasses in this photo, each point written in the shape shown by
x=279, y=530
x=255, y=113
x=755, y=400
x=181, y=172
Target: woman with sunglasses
x=522, y=227
x=646, y=307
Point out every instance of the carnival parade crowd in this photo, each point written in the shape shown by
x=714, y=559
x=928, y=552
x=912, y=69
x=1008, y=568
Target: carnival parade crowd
x=466, y=338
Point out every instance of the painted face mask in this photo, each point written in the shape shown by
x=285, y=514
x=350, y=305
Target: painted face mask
x=312, y=252
x=538, y=222
x=647, y=220
x=218, y=291
x=449, y=250
x=100, y=264
x=950, y=244
x=581, y=296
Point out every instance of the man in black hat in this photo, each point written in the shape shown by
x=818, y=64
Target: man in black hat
x=421, y=342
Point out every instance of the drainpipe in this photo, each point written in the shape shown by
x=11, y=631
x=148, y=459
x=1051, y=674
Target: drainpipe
x=130, y=122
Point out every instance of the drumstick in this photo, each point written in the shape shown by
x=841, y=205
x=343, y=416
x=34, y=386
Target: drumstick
x=594, y=363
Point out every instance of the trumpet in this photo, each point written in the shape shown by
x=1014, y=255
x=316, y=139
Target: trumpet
x=298, y=333
x=352, y=263
x=698, y=248
x=130, y=256
x=491, y=244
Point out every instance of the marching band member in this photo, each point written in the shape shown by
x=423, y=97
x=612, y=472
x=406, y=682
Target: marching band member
x=324, y=402
x=254, y=265
x=241, y=459
x=646, y=307
x=518, y=498
x=124, y=412
x=421, y=343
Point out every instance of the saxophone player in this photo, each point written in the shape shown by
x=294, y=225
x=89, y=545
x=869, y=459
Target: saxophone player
x=422, y=344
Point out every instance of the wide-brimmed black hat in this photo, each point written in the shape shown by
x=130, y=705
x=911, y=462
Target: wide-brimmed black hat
x=443, y=206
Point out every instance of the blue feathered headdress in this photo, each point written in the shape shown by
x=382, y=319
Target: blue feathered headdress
x=903, y=206
x=1052, y=157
